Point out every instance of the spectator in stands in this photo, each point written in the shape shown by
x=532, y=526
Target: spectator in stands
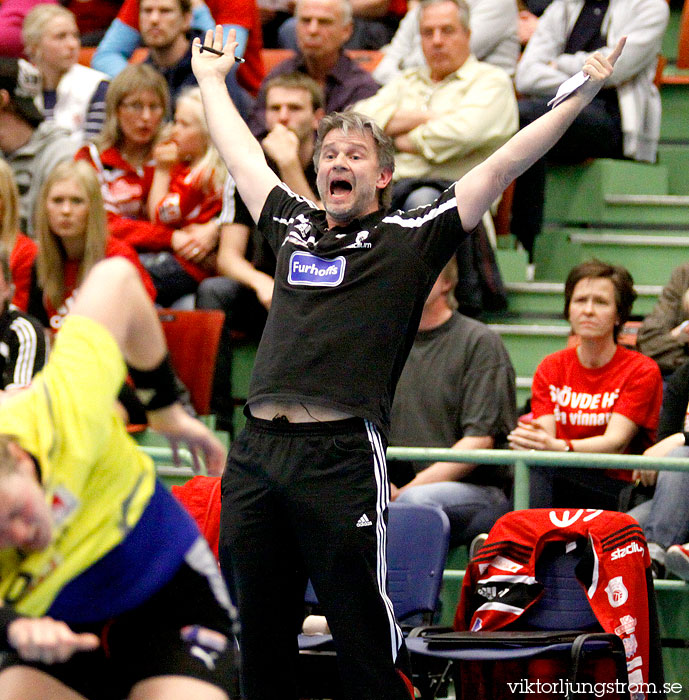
x=529, y=12
x=30, y=146
x=594, y=397
x=664, y=333
x=90, y=539
x=73, y=95
x=20, y=248
x=457, y=389
x=135, y=104
x=72, y=237
x=164, y=26
x=186, y=189
x=373, y=25
x=624, y=119
x=493, y=25
x=22, y=337
x=665, y=517
x=123, y=37
x=444, y=117
x=323, y=28
x=92, y=16
x=294, y=106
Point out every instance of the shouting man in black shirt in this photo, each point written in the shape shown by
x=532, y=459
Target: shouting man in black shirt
x=305, y=490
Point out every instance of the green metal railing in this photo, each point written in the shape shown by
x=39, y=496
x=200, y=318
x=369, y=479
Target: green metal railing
x=523, y=460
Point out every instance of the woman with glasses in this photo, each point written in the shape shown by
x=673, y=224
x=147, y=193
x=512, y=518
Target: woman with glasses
x=135, y=105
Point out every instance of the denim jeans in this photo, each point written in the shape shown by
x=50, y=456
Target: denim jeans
x=665, y=518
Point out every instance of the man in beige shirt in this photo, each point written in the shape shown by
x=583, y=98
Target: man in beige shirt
x=447, y=116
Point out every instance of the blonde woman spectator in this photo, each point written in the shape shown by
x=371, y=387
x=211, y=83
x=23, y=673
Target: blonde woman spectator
x=72, y=236
x=187, y=189
x=73, y=95
x=20, y=248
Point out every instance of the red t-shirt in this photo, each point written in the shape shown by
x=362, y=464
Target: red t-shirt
x=243, y=13
x=125, y=192
x=583, y=399
x=113, y=248
x=21, y=263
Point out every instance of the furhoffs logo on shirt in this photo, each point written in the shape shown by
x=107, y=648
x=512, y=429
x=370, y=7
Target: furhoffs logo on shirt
x=310, y=270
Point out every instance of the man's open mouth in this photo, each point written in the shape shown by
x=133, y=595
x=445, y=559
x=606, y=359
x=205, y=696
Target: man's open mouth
x=340, y=187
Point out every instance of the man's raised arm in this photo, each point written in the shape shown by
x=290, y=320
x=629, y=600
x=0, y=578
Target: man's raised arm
x=482, y=185
x=237, y=146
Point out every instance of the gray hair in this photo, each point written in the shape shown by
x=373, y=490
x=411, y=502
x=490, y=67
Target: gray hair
x=462, y=10
x=346, y=121
x=345, y=8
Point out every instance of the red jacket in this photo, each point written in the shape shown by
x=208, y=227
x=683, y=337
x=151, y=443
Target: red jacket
x=500, y=582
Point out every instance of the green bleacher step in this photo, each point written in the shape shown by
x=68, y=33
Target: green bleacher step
x=528, y=343
x=652, y=209
x=547, y=298
x=576, y=194
x=675, y=158
x=649, y=257
x=674, y=125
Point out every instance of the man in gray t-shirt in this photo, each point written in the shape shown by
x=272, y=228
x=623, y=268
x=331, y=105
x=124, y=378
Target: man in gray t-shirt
x=457, y=390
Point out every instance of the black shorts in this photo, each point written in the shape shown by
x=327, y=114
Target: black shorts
x=170, y=634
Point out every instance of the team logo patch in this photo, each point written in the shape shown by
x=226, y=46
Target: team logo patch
x=617, y=592
x=309, y=270
x=627, y=625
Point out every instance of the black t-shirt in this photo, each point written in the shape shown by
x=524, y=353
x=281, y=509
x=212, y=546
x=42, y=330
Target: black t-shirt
x=347, y=301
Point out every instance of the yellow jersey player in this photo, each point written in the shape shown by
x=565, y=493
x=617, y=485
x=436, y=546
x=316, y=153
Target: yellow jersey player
x=108, y=590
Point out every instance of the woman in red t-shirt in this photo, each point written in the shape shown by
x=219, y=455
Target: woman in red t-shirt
x=596, y=396
x=21, y=249
x=72, y=235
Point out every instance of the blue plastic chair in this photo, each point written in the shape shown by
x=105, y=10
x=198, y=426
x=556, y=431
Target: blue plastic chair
x=418, y=540
x=560, y=622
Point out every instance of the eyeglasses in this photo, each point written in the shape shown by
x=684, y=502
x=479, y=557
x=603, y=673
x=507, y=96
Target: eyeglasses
x=140, y=107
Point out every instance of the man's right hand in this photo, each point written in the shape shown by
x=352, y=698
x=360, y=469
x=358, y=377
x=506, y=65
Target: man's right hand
x=46, y=640
x=207, y=65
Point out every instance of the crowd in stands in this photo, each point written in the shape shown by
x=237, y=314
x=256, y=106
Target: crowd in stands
x=116, y=160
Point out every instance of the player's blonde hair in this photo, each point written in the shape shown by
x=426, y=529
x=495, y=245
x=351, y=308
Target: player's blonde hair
x=50, y=263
